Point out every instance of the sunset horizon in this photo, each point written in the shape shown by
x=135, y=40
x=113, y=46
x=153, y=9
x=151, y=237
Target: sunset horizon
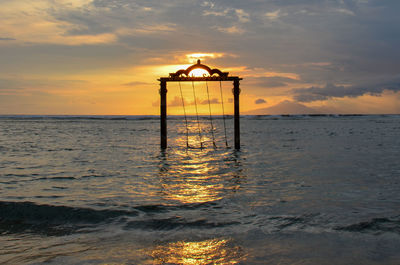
x=94, y=57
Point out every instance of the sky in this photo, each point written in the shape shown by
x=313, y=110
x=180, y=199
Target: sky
x=104, y=56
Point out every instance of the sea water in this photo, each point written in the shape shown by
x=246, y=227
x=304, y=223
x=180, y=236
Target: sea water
x=301, y=190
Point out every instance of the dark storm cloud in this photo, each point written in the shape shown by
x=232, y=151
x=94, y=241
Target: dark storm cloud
x=328, y=91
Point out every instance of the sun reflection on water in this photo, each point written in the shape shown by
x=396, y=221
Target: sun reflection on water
x=192, y=181
x=192, y=193
x=212, y=251
x=194, y=174
x=198, y=176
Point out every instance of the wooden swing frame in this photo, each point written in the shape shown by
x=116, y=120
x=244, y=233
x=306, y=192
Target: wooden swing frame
x=183, y=76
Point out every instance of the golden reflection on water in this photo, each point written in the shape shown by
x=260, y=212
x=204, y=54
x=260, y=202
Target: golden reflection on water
x=192, y=182
x=192, y=193
x=212, y=251
x=194, y=175
x=196, y=179
x=193, y=137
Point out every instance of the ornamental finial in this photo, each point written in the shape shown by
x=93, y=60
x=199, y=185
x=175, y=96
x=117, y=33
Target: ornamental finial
x=198, y=61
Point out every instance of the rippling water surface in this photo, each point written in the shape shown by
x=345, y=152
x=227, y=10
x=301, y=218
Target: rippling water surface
x=98, y=190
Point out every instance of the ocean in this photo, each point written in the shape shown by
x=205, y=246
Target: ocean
x=319, y=189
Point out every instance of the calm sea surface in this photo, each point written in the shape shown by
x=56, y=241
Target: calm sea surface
x=98, y=190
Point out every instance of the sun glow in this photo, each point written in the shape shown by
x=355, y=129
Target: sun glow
x=212, y=251
x=198, y=72
x=196, y=56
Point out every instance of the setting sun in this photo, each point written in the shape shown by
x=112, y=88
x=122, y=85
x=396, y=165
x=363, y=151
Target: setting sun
x=198, y=73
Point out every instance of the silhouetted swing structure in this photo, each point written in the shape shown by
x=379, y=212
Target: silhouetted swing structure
x=183, y=75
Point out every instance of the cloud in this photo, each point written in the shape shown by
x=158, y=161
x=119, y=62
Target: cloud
x=212, y=101
x=216, y=13
x=195, y=56
x=274, y=15
x=176, y=102
x=21, y=84
x=328, y=91
x=156, y=103
x=283, y=107
x=273, y=81
x=35, y=23
x=208, y=4
x=260, y=101
x=136, y=83
x=147, y=29
x=6, y=39
x=231, y=30
x=345, y=11
x=242, y=15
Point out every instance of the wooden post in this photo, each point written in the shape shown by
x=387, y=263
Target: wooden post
x=163, y=113
x=236, y=92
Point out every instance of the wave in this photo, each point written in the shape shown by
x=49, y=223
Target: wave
x=375, y=226
x=49, y=219
x=175, y=223
x=32, y=212
x=317, y=223
x=29, y=217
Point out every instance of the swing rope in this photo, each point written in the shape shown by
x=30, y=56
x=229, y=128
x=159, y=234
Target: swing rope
x=197, y=115
x=184, y=112
x=223, y=112
x=211, y=121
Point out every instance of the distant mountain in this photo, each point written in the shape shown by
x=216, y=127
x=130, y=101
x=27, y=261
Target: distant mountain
x=284, y=107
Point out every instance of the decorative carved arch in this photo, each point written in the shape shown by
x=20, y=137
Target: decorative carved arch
x=198, y=65
x=183, y=75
